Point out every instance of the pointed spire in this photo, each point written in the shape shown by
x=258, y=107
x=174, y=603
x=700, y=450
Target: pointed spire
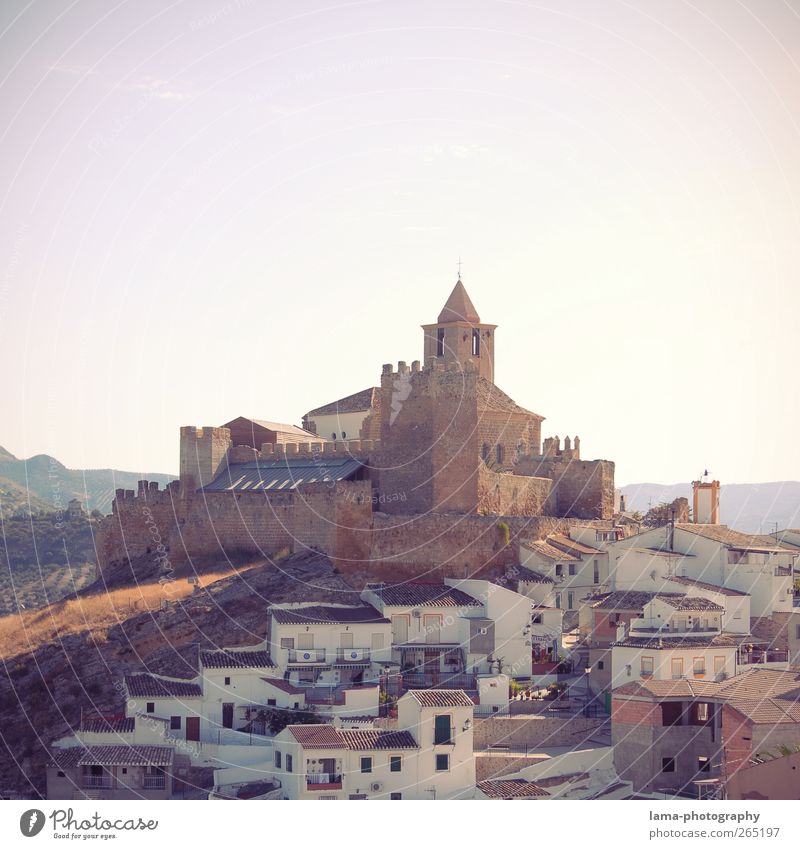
x=459, y=307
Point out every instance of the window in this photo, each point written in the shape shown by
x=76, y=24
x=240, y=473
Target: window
x=289, y=764
x=500, y=453
x=440, y=342
x=699, y=666
x=572, y=568
x=737, y=614
x=559, y=570
x=376, y=642
x=442, y=730
x=287, y=642
x=227, y=680
x=277, y=759
x=677, y=667
x=667, y=764
x=395, y=796
x=60, y=774
x=570, y=600
x=702, y=711
x=151, y=707
x=305, y=641
x=366, y=764
x=272, y=702
x=476, y=342
x=797, y=632
x=647, y=667
x=601, y=664
x=442, y=763
x=596, y=572
x=124, y=770
x=536, y=619
x=175, y=723
x=395, y=763
x=344, y=434
x=485, y=452
x=703, y=764
x=558, y=600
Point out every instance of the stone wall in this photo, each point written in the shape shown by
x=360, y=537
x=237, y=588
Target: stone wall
x=533, y=731
x=513, y=495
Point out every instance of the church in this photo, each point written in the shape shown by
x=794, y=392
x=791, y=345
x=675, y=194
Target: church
x=437, y=450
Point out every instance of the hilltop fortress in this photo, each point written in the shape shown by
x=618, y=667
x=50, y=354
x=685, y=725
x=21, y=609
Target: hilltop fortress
x=435, y=473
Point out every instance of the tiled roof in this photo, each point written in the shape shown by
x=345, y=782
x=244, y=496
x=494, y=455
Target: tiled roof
x=366, y=399
x=377, y=738
x=320, y=614
x=284, y=685
x=550, y=552
x=531, y=576
x=277, y=427
x=683, y=642
x=703, y=585
x=624, y=599
x=229, y=659
x=690, y=602
x=112, y=756
x=317, y=736
x=148, y=686
x=511, y=788
x=110, y=725
x=420, y=595
x=731, y=538
x=571, y=545
x=492, y=399
x=442, y=698
x=764, y=696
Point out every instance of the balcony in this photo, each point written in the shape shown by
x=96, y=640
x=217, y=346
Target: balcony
x=154, y=782
x=352, y=655
x=306, y=656
x=755, y=656
x=323, y=781
x=97, y=782
x=447, y=680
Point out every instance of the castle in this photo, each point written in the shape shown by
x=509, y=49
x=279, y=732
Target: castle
x=446, y=476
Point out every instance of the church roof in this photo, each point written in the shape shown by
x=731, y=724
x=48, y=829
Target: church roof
x=367, y=399
x=459, y=307
x=492, y=399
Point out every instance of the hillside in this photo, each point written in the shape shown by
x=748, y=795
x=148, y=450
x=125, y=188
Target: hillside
x=50, y=481
x=74, y=654
x=43, y=558
x=749, y=507
x=16, y=500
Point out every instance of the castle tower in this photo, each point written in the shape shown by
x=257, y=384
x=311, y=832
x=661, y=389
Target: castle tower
x=459, y=336
x=202, y=455
x=705, y=502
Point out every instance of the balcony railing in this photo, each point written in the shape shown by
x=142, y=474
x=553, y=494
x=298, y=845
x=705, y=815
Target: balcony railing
x=306, y=655
x=352, y=654
x=763, y=656
x=448, y=680
x=154, y=782
x=323, y=781
x=97, y=782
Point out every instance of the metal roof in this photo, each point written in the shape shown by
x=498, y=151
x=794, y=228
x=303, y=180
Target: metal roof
x=283, y=473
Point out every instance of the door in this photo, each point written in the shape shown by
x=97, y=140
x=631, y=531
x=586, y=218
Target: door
x=193, y=728
x=400, y=629
x=432, y=623
x=346, y=640
x=227, y=715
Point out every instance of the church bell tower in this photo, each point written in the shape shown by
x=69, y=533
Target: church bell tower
x=459, y=336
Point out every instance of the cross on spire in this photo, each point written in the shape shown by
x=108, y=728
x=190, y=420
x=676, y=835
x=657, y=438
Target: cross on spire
x=459, y=268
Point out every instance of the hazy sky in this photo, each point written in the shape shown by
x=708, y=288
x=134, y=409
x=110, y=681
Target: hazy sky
x=219, y=208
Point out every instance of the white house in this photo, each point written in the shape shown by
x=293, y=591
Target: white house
x=451, y=632
x=546, y=618
x=576, y=567
x=677, y=637
x=343, y=419
x=428, y=756
x=334, y=653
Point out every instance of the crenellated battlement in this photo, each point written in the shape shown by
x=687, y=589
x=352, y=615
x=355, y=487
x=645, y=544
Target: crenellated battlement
x=358, y=448
x=551, y=447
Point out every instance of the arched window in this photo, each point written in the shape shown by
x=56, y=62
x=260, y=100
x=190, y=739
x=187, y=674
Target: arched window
x=485, y=452
x=333, y=437
x=500, y=453
x=476, y=342
x=344, y=434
